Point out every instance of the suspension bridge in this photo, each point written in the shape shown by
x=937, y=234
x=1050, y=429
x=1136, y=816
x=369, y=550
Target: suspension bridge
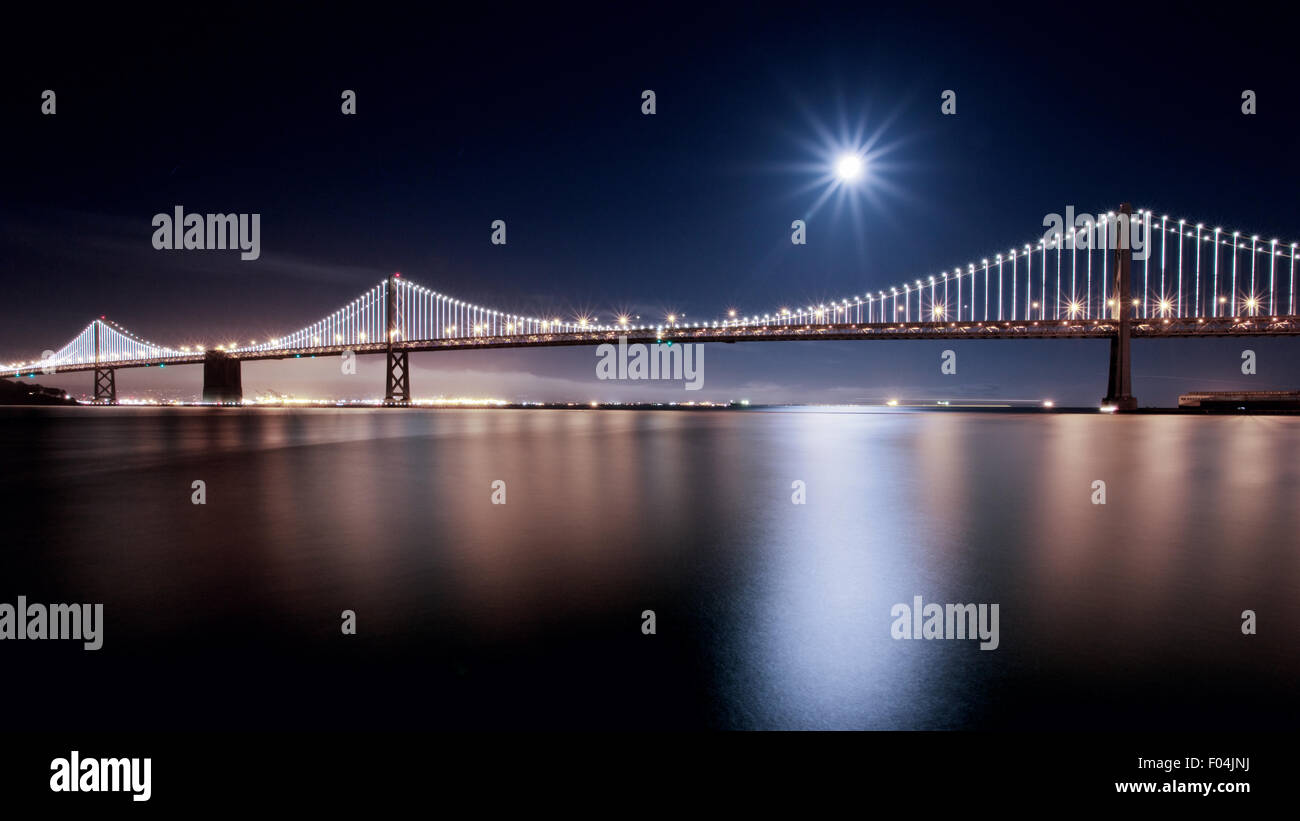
x=1185, y=280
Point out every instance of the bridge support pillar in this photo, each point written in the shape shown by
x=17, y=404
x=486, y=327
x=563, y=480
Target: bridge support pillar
x=397, y=385
x=105, y=378
x=105, y=386
x=397, y=382
x=222, y=380
x=1119, y=391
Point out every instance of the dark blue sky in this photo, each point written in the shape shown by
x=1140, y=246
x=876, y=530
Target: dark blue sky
x=468, y=117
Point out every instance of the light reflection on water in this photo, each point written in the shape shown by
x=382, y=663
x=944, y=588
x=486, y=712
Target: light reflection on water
x=770, y=614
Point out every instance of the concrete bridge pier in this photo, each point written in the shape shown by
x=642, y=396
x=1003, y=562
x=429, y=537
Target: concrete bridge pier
x=222, y=380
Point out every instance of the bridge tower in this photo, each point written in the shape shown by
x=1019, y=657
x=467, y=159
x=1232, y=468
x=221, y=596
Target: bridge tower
x=1119, y=393
x=105, y=378
x=397, y=383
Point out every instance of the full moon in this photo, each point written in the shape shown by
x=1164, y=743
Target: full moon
x=848, y=167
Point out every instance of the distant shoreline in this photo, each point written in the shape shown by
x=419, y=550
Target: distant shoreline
x=20, y=394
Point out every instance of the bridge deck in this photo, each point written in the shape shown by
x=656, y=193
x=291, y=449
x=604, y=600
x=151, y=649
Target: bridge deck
x=1020, y=329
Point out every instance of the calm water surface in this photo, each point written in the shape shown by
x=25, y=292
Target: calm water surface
x=769, y=614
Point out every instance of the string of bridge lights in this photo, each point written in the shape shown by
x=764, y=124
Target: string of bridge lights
x=115, y=344
x=1168, y=300
x=424, y=314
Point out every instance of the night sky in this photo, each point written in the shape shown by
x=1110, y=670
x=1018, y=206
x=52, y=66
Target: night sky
x=536, y=119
